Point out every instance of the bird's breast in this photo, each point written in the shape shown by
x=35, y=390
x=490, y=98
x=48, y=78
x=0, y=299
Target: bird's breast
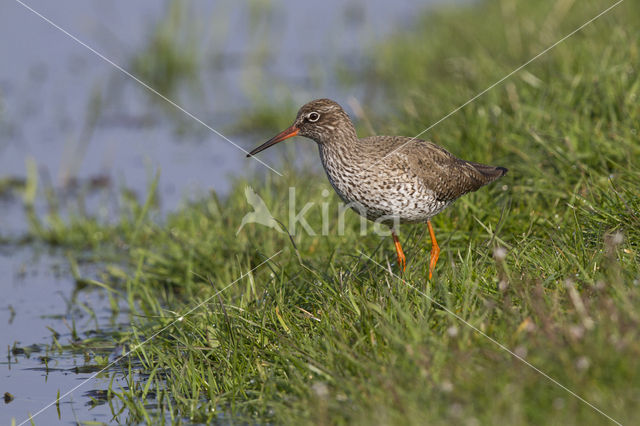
x=375, y=191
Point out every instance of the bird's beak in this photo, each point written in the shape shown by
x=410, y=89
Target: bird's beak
x=285, y=134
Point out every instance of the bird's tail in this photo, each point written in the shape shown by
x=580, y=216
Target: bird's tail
x=490, y=173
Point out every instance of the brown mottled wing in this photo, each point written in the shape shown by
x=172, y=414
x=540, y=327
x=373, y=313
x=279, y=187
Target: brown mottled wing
x=448, y=176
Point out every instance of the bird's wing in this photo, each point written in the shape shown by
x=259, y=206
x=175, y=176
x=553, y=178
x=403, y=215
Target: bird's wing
x=446, y=175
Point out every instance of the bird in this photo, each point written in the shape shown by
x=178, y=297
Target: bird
x=389, y=179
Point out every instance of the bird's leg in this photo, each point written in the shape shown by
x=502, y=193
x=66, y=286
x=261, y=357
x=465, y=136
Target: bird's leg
x=435, y=250
x=402, y=261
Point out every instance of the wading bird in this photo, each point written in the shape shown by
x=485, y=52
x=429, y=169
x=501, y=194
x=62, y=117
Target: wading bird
x=388, y=178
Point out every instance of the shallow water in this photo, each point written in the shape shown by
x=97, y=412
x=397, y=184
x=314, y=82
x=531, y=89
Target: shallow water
x=39, y=303
x=80, y=119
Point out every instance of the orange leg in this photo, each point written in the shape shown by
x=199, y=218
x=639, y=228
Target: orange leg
x=435, y=250
x=402, y=261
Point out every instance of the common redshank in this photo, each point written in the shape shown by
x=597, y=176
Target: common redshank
x=392, y=179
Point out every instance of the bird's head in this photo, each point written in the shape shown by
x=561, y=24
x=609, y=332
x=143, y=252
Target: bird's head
x=322, y=120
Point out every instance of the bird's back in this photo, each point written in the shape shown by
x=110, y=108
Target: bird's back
x=436, y=168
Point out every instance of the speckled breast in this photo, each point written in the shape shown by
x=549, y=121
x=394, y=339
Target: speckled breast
x=380, y=192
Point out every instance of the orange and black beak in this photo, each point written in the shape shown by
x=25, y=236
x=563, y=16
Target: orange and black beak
x=285, y=134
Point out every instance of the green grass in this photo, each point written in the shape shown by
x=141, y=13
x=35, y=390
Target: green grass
x=321, y=334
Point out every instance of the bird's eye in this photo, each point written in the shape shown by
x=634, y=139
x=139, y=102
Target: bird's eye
x=313, y=117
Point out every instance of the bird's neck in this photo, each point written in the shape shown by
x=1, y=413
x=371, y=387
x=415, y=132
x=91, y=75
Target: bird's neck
x=340, y=156
x=338, y=148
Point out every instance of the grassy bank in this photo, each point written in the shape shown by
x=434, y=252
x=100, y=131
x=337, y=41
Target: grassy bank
x=546, y=261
